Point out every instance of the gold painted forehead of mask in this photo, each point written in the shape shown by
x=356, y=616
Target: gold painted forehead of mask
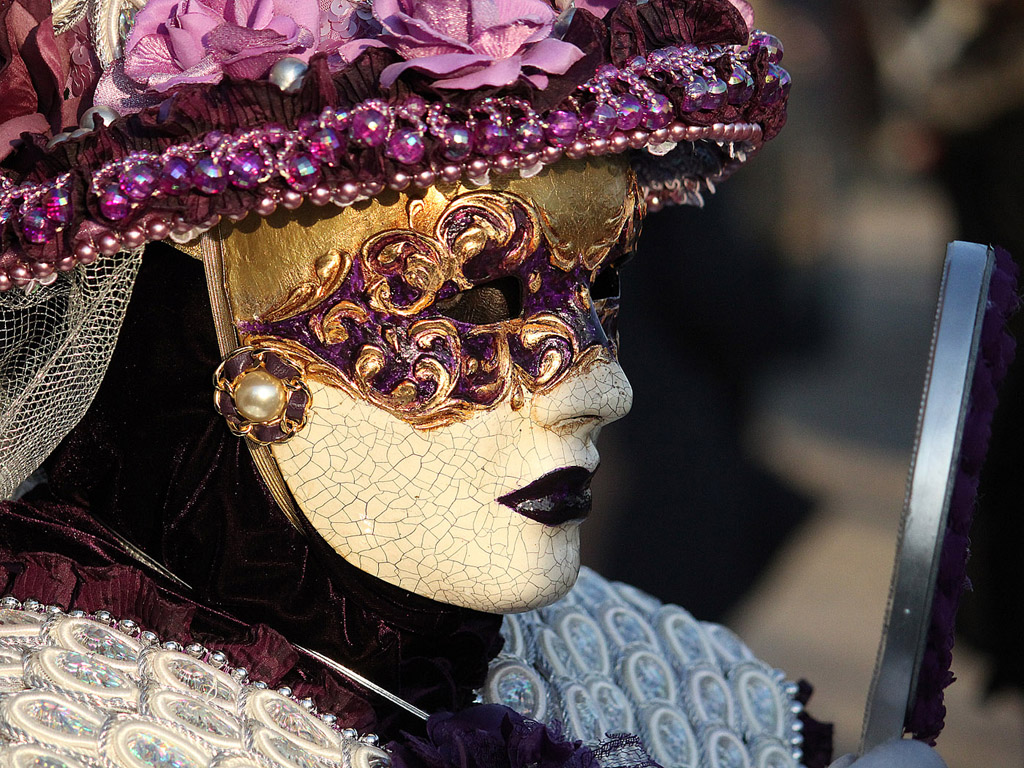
x=278, y=261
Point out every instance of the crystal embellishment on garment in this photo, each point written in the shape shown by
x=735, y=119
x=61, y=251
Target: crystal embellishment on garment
x=205, y=721
x=81, y=691
x=100, y=641
x=50, y=718
x=36, y=756
x=608, y=658
x=670, y=737
x=518, y=687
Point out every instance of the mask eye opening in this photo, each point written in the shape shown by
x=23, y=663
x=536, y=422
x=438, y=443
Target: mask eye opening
x=606, y=285
x=485, y=304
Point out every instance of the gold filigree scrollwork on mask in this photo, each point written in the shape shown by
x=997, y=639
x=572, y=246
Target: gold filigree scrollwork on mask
x=329, y=328
x=423, y=397
x=479, y=221
x=404, y=270
x=381, y=334
x=491, y=372
x=554, y=343
x=330, y=270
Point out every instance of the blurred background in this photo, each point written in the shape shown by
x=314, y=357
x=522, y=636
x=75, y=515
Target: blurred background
x=777, y=343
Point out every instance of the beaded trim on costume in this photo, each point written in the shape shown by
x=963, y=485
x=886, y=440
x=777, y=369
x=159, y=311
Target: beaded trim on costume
x=86, y=691
x=608, y=658
x=616, y=110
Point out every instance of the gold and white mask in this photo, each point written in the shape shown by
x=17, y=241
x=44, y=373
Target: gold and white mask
x=458, y=349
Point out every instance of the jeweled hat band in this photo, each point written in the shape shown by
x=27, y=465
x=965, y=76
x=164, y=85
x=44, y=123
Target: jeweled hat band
x=509, y=136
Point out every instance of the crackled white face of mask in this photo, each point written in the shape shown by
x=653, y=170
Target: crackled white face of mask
x=456, y=347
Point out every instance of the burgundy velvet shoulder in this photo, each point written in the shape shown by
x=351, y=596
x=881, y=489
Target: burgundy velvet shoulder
x=55, y=553
x=153, y=461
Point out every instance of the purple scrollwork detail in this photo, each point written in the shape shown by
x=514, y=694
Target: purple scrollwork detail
x=389, y=332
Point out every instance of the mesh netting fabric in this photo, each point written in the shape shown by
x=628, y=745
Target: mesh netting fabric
x=55, y=346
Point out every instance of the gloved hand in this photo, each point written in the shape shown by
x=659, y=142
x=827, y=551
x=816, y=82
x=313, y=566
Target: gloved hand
x=898, y=753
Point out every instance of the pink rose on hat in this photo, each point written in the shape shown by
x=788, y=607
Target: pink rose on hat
x=474, y=43
x=199, y=41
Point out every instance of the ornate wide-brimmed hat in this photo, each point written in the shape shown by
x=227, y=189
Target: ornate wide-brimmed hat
x=124, y=122
x=151, y=122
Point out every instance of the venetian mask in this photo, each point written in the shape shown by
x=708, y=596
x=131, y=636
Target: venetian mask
x=458, y=348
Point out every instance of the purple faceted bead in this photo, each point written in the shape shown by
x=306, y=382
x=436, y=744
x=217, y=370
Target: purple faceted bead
x=658, y=113
x=629, y=113
x=58, y=205
x=209, y=177
x=369, y=128
x=716, y=95
x=458, y=142
x=562, y=128
x=326, y=146
x=307, y=124
x=114, y=204
x=36, y=226
x=529, y=138
x=175, y=176
x=246, y=170
x=138, y=181
x=772, y=91
x=785, y=82
x=415, y=105
x=693, y=94
x=776, y=84
x=740, y=84
x=599, y=120
x=491, y=138
x=274, y=133
x=212, y=139
x=770, y=43
x=406, y=146
x=301, y=172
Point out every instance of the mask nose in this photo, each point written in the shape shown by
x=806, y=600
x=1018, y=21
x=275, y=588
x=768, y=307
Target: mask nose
x=597, y=394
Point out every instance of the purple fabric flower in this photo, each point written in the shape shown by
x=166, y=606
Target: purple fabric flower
x=746, y=11
x=34, y=68
x=490, y=736
x=199, y=41
x=475, y=43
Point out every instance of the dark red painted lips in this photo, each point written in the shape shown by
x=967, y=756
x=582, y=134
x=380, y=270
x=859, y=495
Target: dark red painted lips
x=555, y=498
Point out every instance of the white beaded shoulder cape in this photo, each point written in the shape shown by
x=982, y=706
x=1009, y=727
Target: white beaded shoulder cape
x=88, y=691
